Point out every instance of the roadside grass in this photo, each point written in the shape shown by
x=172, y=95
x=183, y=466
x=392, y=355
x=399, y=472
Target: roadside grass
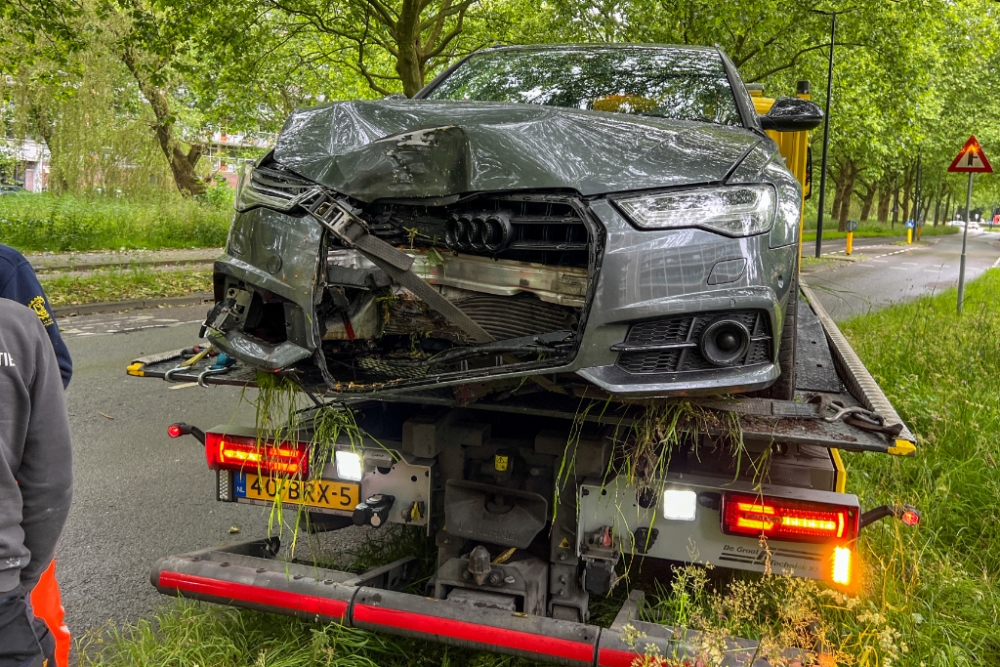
x=927, y=596
x=123, y=285
x=873, y=230
x=60, y=223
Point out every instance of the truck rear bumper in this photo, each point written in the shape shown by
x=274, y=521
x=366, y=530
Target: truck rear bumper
x=246, y=575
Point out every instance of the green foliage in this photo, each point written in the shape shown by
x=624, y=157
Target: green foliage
x=33, y=222
x=873, y=230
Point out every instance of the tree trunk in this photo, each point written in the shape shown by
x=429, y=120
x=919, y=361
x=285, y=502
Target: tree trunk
x=947, y=207
x=838, y=196
x=408, y=64
x=907, y=192
x=884, y=201
x=867, y=201
x=182, y=165
x=845, y=204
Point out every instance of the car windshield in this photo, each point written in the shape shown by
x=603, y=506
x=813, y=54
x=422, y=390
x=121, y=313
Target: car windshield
x=672, y=83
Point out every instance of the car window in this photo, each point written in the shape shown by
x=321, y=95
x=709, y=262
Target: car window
x=671, y=83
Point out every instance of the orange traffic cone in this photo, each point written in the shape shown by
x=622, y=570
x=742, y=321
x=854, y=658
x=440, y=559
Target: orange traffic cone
x=46, y=603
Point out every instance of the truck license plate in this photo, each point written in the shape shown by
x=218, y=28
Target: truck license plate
x=322, y=493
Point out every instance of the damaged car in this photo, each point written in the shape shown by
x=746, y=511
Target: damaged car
x=607, y=217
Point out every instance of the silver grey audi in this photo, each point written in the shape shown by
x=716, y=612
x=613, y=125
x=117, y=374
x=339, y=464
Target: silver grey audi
x=580, y=219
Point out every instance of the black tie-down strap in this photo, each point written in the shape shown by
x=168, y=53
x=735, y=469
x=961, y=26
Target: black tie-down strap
x=342, y=222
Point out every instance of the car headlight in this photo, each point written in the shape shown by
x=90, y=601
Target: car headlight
x=737, y=210
x=273, y=187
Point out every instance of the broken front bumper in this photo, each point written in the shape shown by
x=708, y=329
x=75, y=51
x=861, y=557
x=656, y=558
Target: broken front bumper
x=247, y=575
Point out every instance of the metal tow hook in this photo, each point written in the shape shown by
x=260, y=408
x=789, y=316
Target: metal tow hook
x=187, y=363
x=220, y=367
x=853, y=415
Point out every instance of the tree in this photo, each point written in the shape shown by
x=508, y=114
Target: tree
x=415, y=36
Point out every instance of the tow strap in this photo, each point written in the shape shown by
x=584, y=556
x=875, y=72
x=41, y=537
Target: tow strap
x=341, y=221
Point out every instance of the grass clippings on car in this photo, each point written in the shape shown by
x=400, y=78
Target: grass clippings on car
x=123, y=285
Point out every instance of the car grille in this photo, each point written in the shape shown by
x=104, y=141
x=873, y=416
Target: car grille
x=671, y=344
x=543, y=229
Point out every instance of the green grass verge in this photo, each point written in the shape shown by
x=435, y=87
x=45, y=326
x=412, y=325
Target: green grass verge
x=927, y=596
x=123, y=285
x=875, y=230
x=59, y=223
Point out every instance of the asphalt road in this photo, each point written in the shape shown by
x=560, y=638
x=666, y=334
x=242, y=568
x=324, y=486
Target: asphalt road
x=890, y=273
x=138, y=494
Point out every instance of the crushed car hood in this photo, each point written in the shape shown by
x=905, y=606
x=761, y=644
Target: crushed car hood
x=414, y=148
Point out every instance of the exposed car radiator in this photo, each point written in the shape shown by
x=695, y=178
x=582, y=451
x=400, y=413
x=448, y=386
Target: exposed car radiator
x=512, y=317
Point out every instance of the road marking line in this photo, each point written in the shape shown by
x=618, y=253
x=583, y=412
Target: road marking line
x=898, y=268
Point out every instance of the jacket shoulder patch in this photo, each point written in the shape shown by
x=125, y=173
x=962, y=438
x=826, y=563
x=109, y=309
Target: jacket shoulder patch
x=38, y=305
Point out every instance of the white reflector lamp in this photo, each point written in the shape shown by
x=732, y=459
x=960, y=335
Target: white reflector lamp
x=679, y=505
x=349, y=466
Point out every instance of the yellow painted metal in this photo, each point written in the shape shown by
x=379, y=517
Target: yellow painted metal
x=903, y=448
x=135, y=370
x=909, y=236
x=794, y=147
x=838, y=464
x=850, y=242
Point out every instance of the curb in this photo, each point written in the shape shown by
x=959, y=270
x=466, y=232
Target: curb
x=133, y=304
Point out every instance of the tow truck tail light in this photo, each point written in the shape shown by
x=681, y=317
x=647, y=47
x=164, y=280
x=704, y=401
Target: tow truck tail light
x=782, y=519
x=263, y=457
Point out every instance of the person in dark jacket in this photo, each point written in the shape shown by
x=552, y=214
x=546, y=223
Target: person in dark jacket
x=19, y=283
x=35, y=479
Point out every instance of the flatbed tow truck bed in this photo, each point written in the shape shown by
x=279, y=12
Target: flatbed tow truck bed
x=838, y=406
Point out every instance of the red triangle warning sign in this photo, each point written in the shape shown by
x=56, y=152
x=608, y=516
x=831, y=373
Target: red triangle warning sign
x=971, y=159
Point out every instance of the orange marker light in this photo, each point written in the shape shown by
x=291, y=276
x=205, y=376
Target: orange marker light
x=842, y=566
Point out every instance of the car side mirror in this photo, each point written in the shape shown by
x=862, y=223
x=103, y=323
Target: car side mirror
x=791, y=114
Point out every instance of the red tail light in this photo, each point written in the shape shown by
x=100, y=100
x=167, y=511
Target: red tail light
x=263, y=457
x=781, y=519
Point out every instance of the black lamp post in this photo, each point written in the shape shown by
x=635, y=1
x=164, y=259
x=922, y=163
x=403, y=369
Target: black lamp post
x=826, y=132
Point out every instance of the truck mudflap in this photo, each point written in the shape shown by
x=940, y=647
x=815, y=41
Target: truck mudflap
x=247, y=575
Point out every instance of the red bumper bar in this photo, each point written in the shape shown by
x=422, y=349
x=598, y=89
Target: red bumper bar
x=239, y=576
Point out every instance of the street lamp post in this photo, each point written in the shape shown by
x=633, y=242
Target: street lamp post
x=826, y=133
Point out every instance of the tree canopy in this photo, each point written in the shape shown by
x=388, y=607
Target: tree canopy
x=147, y=82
